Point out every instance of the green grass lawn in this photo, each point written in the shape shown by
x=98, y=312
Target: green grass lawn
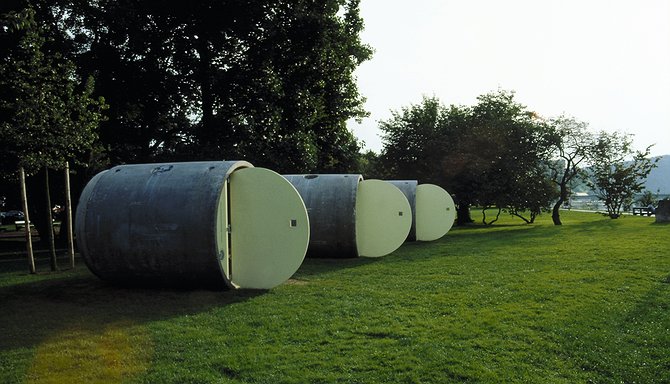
x=588, y=301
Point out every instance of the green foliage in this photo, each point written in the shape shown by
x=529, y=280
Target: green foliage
x=413, y=141
x=492, y=154
x=509, y=303
x=369, y=165
x=614, y=178
x=570, y=143
x=535, y=194
x=509, y=145
x=648, y=198
x=47, y=115
x=266, y=81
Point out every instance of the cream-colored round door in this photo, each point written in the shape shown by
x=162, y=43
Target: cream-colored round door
x=269, y=229
x=435, y=212
x=383, y=218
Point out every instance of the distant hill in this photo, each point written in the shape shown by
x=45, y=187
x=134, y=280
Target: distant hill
x=658, y=181
x=659, y=178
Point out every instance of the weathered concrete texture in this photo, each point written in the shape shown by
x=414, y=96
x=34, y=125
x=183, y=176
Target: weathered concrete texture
x=215, y=224
x=433, y=209
x=408, y=188
x=352, y=217
x=330, y=201
x=154, y=223
x=663, y=211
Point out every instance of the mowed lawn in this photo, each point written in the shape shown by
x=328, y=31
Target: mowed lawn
x=588, y=301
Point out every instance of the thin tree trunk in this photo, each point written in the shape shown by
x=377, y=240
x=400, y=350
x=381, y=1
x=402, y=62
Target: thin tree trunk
x=463, y=214
x=26, y=217
x=527, y=221
x=50, y=223
x=555, y=215
x=562, y=197
x=492, y=221
x=68, y=216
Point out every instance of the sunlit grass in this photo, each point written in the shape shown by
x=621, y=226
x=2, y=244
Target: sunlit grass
x=584, y=302
x=116, y=352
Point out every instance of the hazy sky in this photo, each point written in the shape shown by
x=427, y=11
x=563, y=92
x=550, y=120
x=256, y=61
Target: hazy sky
x=605, y=62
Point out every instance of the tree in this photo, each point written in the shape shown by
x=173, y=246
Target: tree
x=648, y=198
x=369, y=165
x=266, y=81
x=491, y=154
x=416, y=141
x=413, y=141
x=571, y=145
x=47, y=114
x=536, y=193
x=510, y=143
x=613, y=177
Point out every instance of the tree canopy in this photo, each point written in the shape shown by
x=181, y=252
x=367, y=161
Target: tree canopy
x=266, y=81
x=617, y=172
x=499, y=154
x=492, y=154
x=269, y=81
x=47, y=114
x=571, y=146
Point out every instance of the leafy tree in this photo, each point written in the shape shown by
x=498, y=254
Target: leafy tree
x=511, y=145
x=571, y=144
x=416, y=140
x=648, y=198
x=413, y=141
x=536, y=193
x=47, y=114
x=267, y=81
x=491, y=154
x=613, y=177
x=369, y=165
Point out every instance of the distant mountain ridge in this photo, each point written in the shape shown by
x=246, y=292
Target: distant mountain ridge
x=659, y=178
x=658, y=181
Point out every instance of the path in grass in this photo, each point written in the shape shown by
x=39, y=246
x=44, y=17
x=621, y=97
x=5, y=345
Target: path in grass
x=587, y=301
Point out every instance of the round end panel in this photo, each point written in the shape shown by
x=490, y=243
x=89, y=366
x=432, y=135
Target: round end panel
x=383, y=218
x=435, y=212
x=269, y=229
x=80, y=227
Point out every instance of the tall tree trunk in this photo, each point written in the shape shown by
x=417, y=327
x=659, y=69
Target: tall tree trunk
x=555, y=214
x=66, y=222
x=562, y=197
x=26, y=217
x=50, y=224
x=463, y=214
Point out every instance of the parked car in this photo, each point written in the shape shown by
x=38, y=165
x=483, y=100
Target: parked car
x=10, y=217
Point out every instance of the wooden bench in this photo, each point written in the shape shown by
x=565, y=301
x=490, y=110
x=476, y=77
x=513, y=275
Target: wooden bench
x=642, y=211
x=20, y=224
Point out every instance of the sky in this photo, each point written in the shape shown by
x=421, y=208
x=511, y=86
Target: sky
x=604, y=62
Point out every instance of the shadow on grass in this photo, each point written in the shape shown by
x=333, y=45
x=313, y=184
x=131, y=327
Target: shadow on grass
x=34, y=311
x=317, y=266
x=495, y=232
x=479, y=225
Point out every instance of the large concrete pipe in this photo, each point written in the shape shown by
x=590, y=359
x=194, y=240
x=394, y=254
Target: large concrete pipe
x=351, y=217
x=433, y=209
x=408, y=188
x=216, y=224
